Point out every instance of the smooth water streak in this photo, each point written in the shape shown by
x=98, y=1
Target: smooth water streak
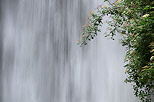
x=41, y=60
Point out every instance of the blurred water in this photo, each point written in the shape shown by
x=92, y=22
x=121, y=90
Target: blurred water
x=41, y=61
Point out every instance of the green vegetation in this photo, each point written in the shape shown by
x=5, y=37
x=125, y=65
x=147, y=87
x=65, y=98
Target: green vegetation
x=134, y=19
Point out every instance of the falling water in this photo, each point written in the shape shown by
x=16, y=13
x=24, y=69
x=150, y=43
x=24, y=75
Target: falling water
x=41, y=61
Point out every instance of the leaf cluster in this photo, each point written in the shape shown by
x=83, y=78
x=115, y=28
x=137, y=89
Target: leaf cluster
x=134, y=19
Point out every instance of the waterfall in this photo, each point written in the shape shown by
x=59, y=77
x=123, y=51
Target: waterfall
x=41, y=61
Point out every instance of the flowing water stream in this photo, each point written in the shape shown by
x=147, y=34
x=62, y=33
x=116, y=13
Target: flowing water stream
x=41, y=61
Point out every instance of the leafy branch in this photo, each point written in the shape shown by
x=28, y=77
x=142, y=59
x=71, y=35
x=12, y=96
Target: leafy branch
x=134, y=19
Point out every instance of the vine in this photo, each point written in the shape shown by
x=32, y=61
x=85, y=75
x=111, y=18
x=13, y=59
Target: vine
x=134, y=19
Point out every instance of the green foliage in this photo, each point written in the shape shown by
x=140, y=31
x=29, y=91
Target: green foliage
x=134, y=19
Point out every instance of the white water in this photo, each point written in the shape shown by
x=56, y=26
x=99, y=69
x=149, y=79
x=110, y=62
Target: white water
x=42, y=62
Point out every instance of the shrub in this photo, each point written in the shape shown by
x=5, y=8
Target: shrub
x=134, y=19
